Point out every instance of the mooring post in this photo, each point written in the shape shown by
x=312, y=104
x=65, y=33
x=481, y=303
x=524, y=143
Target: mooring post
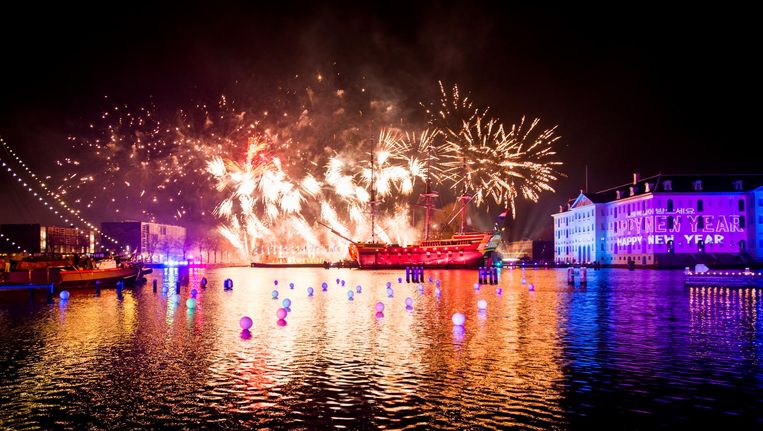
x=97, y=287
x=153, y=285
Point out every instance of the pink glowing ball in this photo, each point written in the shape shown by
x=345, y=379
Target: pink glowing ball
x=379, y=314
x=458, y=319
x=245, y=322
x=379, y=307
x=281, y=313
x=281, y=322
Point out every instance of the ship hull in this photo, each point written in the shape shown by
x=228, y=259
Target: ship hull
x=111, y=275
x=459, y=252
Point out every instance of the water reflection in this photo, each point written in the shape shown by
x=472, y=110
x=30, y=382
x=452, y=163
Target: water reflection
x=631, y=347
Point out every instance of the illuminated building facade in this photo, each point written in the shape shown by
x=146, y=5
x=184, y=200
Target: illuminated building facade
x=36, y=238
x=665, y=220
x=152, y=242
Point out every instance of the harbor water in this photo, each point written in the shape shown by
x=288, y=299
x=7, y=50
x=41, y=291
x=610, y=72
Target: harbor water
x=627, y=350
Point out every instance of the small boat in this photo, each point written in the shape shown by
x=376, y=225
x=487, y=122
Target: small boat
x=108, y=275
x=702, y=276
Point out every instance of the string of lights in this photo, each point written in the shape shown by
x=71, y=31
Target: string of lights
x=67, y=213
x=13, y=243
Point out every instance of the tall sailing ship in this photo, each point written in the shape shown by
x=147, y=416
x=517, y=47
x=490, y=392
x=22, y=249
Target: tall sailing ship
x=462, y=250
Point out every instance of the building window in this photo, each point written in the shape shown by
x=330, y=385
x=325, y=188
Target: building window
x=701, y=246
x=671, y=249
x=700, y=205
x=741, y=204
x=760, y=219
x=760, y=202
x=670, y=222
x=697, y=186
x=667, y=185
x=670, y=205
x=700, y=222
x=741, y=222
x=738, y=185
x=742, y=246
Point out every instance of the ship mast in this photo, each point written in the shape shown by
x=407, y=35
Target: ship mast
x=373, y=202
x=463, y=200
x=428, y=197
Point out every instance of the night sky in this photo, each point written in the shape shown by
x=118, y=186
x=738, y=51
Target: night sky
x=646, y=88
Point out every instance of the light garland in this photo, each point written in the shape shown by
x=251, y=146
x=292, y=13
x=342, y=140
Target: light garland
x=52, y=195
x=12, y=243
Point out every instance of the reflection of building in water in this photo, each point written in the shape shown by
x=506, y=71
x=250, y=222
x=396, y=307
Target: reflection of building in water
x=154, y=242
x=665, y=220
x=724, y=310
x=36, y=238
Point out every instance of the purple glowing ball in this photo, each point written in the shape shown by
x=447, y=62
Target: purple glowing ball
x=281, y=313
x=324, y=286
x=358, y=289
x=379, y=314
x=437, y=291
x=245, y=334
x=379, y=307
x=275, y=282
x=389, y=284
x=275, y=294
x=531, y=287
x=458, y=319
x=409, y=302
x=399, y=279
x=245, y=322
x=194, y=292
x=337, y=281
x=350, y=295
x=310, y=291
x=342, y=283
x=499, y=290
x=291, y=285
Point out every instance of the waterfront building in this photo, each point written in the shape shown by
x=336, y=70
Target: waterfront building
x=524, y=250
x=37, y=238
x=665, y=221
x=151, y=242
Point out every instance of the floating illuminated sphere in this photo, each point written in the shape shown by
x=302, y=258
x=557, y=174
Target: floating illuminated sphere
x=228, y=284
x=281, y=322
x=203, y=282
x=342, y=283
x=531, y=287
x=194, y=292
x=499, y=290
x=524, y=281
x=390, y=292
x=421, y=287
x=482, y=304
x=409, y=302
x=437, y=283
x=458, y=319
x=291, y=285
x=324, y=286
x=437, y=291
x=245, y=322
x=275, y=294
x=399, y=279
x=64, y=295
x=190, y=303
x=430, y=278
x=286, y=303
x=245, y=334
x=165, y=289
x=476, y=286
x=281, y=313
x=358, y=289
x=389, y=284
x=379, y=314
x=379, y=307
x=350, y=295
x=337, y=281
x=309, y=291
x=275, y=282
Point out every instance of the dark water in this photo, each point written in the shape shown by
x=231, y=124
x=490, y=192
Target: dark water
x=632, y=350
